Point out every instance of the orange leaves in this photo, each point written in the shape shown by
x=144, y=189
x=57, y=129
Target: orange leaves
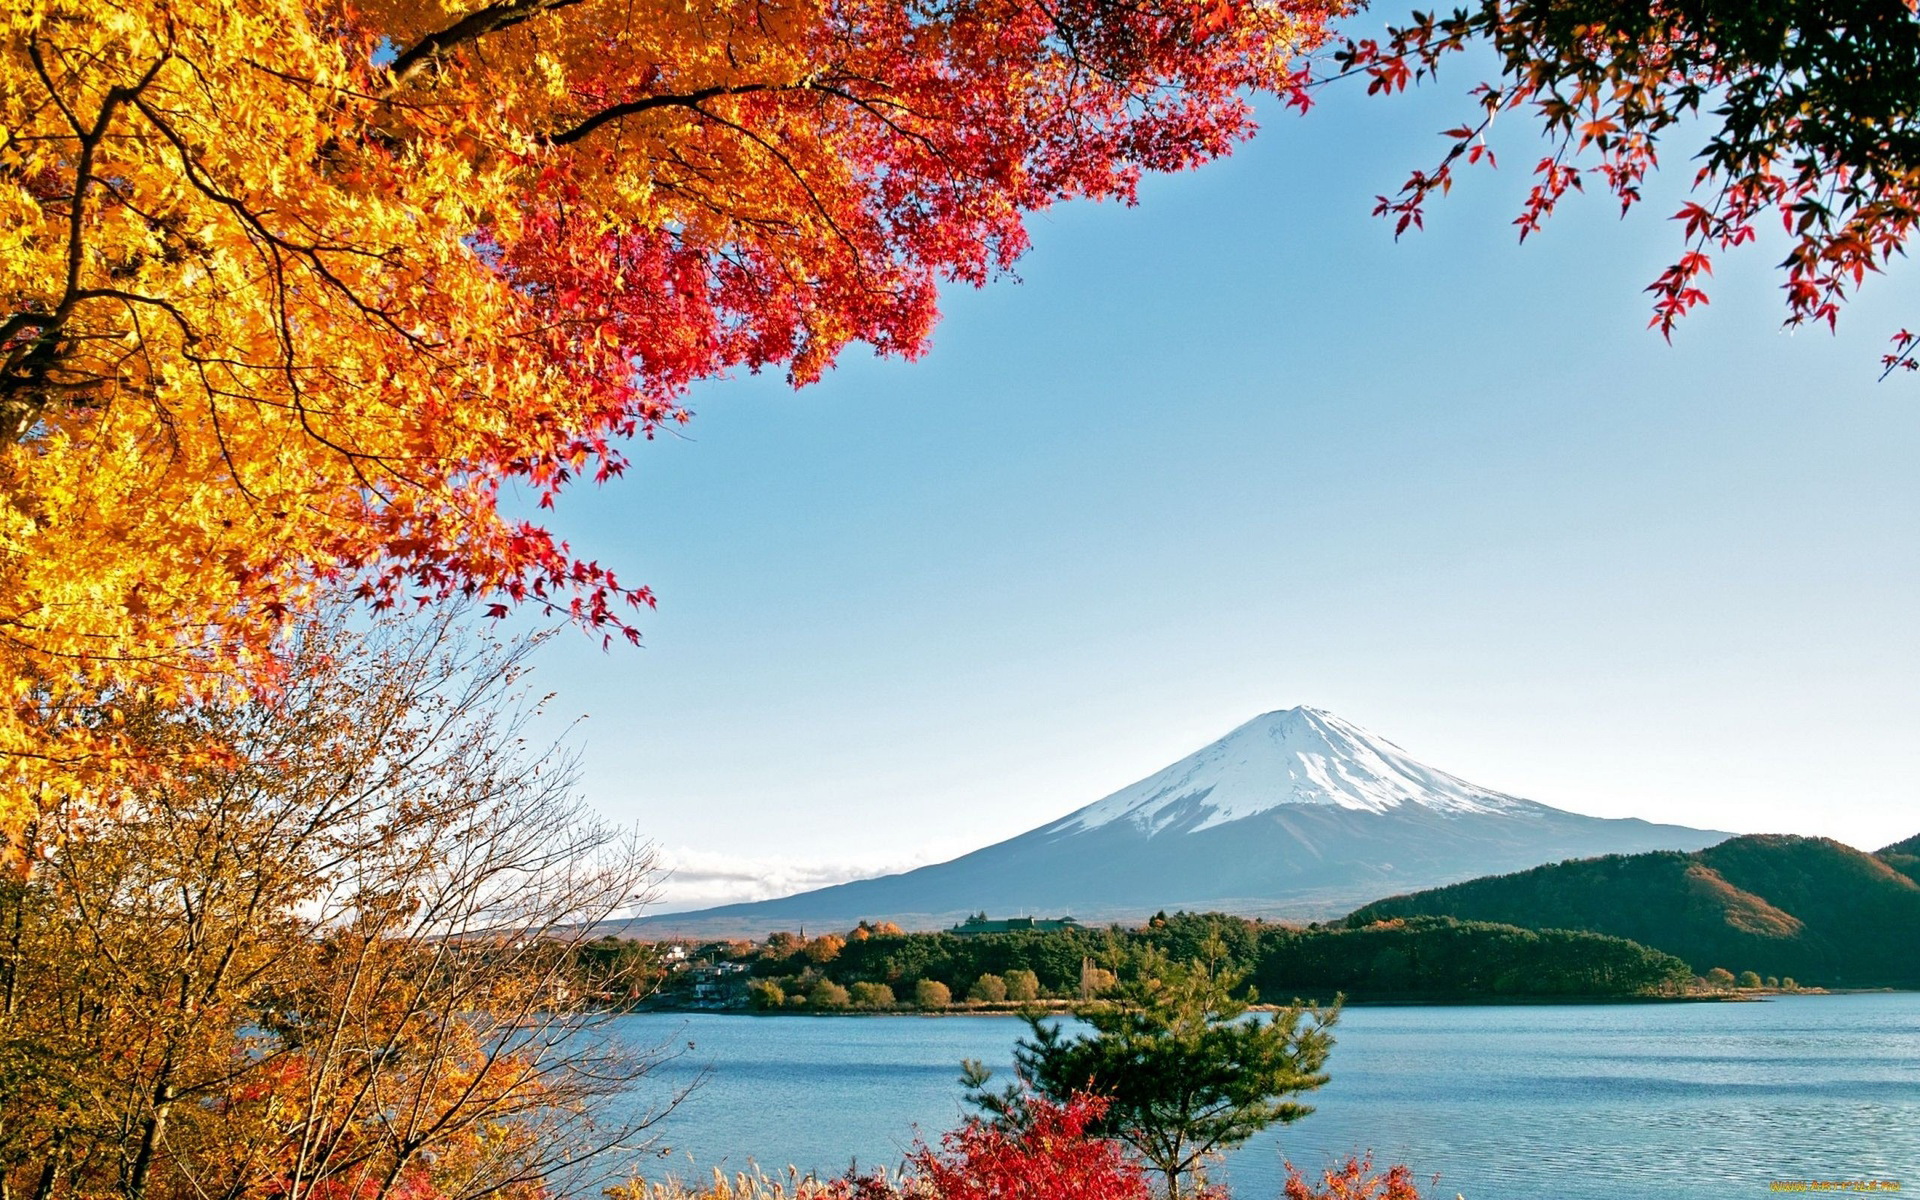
x=1353, y=1180
x=1596, y=133
x=1214, y=17
x=297, y=290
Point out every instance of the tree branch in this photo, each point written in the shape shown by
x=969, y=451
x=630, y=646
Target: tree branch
x=693, y=100
x=472, y=27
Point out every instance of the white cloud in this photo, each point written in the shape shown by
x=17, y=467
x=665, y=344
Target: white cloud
x=703, y=878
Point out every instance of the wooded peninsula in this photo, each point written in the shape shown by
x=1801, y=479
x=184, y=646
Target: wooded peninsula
x=878, y=967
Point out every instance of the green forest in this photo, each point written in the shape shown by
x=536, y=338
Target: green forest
x=1810, y=908
x=1425, y=958
x=1761, y=911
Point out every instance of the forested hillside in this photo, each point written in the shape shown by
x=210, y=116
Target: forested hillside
x=1424, y=958
x=1442, y=958
x=1810, y=908
x=1903, y=857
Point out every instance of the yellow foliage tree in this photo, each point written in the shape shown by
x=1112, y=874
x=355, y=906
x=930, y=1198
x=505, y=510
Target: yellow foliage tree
x=289, y=292
x=348, y=963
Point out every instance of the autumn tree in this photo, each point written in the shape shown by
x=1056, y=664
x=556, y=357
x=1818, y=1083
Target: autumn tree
x=782, y=945
x=1185, y=1069
x=1054, y=1154
x=345, y=962
x=295, y=294
x=1095, y=981
x=828, y=994
x=1810, y=115
x=824, y=949
x=1023, y=986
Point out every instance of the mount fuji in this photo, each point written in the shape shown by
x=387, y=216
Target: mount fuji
x=1295, y=814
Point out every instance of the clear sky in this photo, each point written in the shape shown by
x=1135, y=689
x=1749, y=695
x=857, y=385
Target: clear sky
x=1235, y=450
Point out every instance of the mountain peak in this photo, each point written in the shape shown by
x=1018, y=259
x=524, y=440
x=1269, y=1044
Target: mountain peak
x=1348, y=817
x=1291, y=756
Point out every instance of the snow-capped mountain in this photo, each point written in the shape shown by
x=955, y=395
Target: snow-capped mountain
x=1296, y=756
x=1296, y=813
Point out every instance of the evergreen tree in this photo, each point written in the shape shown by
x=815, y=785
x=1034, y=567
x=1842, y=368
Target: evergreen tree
x=1185, y=1069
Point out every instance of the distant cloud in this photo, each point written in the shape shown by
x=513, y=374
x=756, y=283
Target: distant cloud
x=702, y=878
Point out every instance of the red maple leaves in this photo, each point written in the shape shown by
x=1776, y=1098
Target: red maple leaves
x=1813, y=112
x=1051, y=1158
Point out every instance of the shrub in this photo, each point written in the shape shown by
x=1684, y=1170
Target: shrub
x=872, y=995
x=1023, y=986
x=1049, y=1157
x=988, y=989
x=1720, y=979
x=1356, y=1180
x=828, y=994
x=1052, y=1157
x=1749, y=979
x=932, y=994
x=765, y=994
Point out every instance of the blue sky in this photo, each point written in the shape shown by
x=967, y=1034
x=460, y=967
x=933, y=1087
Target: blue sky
x=1234, y=450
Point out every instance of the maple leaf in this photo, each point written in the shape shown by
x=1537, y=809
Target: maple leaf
x=1792, y=130
x=291, y=293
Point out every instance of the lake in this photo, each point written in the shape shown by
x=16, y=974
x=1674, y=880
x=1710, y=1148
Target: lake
x=1574, y=1102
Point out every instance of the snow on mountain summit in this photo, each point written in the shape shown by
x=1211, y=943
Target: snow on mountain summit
x=1296, y=815
x=1295, y=756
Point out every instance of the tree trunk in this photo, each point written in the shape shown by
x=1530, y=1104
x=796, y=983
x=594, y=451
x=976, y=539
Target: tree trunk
x=50, y=1172
x=156, y=1127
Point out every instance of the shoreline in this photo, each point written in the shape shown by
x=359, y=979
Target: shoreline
x=1065, y=1007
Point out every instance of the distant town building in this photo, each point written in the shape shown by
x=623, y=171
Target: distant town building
x=720, y=985
x=979, y=923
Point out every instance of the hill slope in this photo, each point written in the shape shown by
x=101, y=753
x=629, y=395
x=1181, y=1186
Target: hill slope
x=1809, y=908
x=1903, y=857
x=1294, y=814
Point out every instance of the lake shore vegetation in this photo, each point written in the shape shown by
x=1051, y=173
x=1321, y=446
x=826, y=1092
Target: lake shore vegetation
x=1754, y=907
x=1053, y=1153
x=1438, y=959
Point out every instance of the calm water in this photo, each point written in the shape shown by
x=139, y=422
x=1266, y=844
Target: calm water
x=1658, y=1102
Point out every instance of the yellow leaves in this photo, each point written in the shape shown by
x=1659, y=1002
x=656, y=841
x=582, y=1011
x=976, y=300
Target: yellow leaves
x=279, y=944
x=323, y=305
